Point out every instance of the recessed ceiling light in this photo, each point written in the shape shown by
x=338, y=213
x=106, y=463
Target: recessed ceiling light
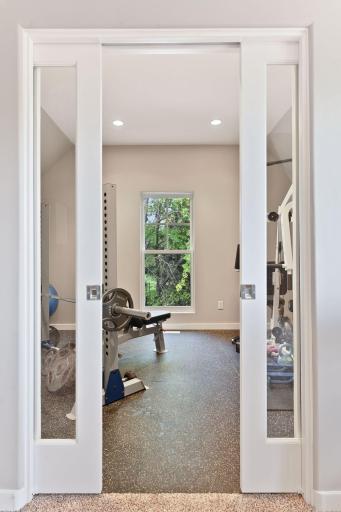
x=216, y=122
x=118, y=122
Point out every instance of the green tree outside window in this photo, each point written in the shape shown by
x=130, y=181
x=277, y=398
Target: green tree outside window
x=168, y=251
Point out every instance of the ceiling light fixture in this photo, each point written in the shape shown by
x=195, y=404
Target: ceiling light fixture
x=216, y=122
x=118, y=122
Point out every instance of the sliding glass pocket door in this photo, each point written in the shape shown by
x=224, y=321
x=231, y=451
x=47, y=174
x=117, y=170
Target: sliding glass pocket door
x=270, y=355
x=68, y=269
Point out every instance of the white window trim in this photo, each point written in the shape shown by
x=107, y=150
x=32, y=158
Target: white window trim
x=175, y=309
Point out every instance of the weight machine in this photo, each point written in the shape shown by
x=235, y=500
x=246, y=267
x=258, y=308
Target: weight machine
x=121, y=321
x=279, y=283
x=280, y=338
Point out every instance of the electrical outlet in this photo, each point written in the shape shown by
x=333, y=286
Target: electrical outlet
x=220, y=304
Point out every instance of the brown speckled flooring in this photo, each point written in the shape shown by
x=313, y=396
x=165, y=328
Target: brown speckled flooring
x=182, y=434
x=170, y=503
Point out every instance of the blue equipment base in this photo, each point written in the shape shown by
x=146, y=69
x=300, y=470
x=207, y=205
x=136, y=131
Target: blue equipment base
x=115, y=388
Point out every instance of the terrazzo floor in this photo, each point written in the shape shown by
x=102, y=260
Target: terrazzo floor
x=170, y=503
x=181, y=435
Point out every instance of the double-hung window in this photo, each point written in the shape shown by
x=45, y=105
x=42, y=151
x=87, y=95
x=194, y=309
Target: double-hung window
x=167, y=250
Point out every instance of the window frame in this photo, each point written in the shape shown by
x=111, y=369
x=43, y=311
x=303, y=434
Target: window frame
x=144, y=251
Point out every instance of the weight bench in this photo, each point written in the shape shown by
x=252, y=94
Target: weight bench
x=117, y=330
x=121, y=323
x=152, y=325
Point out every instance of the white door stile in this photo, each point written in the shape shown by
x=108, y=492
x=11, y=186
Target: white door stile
x=267, y=465
x=75, y=465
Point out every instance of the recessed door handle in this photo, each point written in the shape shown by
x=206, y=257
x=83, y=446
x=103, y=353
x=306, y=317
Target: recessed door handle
x=93, y=292
x=248, y=291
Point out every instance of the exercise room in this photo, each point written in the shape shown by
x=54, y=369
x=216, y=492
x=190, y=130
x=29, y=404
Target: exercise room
x=171, y=265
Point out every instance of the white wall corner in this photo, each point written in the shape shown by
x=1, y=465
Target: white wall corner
x=12, y=500
x=327, y=501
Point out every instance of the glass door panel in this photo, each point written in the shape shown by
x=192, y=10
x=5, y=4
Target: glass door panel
x=58, y=251
x=282, y=253
x=270, y=456
x=68, y=244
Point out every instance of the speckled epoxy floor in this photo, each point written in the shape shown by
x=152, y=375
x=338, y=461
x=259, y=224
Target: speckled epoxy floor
x=180, y=435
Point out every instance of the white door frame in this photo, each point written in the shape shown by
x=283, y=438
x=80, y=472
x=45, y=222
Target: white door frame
x=27, y=39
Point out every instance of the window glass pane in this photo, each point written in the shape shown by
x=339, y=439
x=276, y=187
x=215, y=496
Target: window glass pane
x=156, y=210
x=179, y=237
x=167, y=279
x=155, y=236
x=179, y=210
x=282, y=380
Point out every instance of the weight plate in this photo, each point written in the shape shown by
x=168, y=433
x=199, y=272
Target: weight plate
x=47, y=360
x=54, y=336
x=273, y=216
x=61, y=370
x=116, y=297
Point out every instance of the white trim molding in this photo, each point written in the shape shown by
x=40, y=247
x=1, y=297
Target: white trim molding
x=12, y=500
x=161, y=36
x=15, y=499
x=305, y=272
x=65, y=327
x=327, y=501
x=170, y=326
x=197, y=326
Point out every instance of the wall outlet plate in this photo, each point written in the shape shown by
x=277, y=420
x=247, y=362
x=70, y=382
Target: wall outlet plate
x=220, y=304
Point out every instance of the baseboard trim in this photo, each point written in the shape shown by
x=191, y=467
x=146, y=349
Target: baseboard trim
x=220, y=326
x=327, y=501
x=12, y=500
x=64, y=327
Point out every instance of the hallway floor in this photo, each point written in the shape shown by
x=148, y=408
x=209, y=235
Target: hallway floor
x=170, y=503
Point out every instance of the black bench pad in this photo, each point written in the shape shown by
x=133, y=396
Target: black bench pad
x=157, y=315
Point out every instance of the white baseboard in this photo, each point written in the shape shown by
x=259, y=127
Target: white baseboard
x=219, y=326
x=327, y=501
x=168, y=326
x=12, y=500
x=64, y=327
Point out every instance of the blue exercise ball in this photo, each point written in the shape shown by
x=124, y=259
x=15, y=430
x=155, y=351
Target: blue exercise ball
x=53, y=302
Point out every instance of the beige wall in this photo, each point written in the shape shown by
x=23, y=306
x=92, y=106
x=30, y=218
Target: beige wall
x=58, y=190
x=211, y=173
x=278, y=184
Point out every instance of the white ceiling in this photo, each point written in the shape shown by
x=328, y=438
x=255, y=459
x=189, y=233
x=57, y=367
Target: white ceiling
x=170, y=98
x=165, y=98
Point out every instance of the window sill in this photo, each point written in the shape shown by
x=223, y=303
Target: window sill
x=171, y=309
